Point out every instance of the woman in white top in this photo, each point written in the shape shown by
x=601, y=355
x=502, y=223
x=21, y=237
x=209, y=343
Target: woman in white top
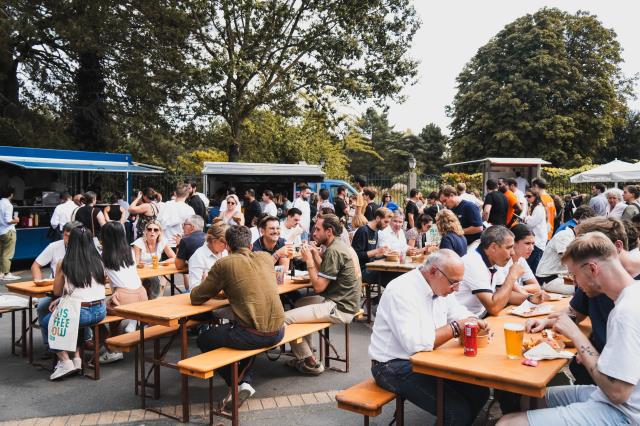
x=231, y=216
x=536, y=220
x=120, y=267
x=203, y=259
x=152, y=244
x=81, y=274
x=615, y=206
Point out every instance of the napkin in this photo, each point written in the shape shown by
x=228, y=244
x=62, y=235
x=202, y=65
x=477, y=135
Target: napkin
x=525, y=307
x=297, y=273
x=545, y=351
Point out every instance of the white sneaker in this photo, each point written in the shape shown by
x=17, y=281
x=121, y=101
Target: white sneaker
x=109, y=357
x=245, y=391
x=77, y=363
x=63, y=369
x=11, y=277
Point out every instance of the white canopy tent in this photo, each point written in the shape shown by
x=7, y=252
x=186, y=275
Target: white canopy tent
x=632, y=175
x=606, y=172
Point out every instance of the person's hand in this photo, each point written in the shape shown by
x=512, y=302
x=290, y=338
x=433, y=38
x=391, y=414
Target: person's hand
x=516, y=270
x=52, y=306
x=536, y=325
x=139, y=195
x=484, y=325
x=178, y=237
x=538, y=297
x=565, y=326
x=381, y=251
x=306, y=253
x=283, y=252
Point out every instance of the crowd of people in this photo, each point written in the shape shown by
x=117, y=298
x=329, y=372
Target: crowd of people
x=516, y=245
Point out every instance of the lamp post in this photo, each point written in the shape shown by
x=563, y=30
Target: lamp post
x=413, y=179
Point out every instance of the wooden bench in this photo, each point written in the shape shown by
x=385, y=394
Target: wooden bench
x=367, y=398
x=20, y=342
x=128, y=342
x=203, y=366
x=96, y=346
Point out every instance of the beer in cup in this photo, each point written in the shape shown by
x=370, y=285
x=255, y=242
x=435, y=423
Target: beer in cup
x=513, y=335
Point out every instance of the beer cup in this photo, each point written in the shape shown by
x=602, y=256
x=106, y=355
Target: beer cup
x=513, y=335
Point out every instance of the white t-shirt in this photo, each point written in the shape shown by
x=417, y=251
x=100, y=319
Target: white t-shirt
x=305, y=208
x=503, y=271
x=172, y=215
x=52, y=254
x=522, y=200
x=62, y=214
x=270, y=209
x=145, y=256
x=124, y=277
x=408, y=316
x=200, y=262
x=538, y=224
x=550, y=263
x=6, y=216
x=291, y=235
x=619, y=358
x=522, y=183
x=477, y=279
x=396, y=242
x=472, y=198
x=87, y=294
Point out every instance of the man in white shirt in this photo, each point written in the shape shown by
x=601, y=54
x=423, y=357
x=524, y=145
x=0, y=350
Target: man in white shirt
x=290, y=229
x=268, y=206
x=461, y=188
x=418, y=312
x=62, y=213
x=302, y=204
x=7, y=234
x=203, y=259
x=393, y=235
x=174, y=213
x=522, y=182
x=479, y=292
x=615, y=398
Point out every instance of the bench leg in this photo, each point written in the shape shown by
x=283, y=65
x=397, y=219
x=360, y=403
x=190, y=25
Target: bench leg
x=184, y=354
x=366, y=420
x=368, y=301
x=23, y=333
x=210, y=400
x=136, y=380
x=439, y=401
x=13, y=332
x=156, y=369
x=143, y=375
x=346, y=347
x=30, y=331
x=96, y=353
x=327, y=354
x=399, y=414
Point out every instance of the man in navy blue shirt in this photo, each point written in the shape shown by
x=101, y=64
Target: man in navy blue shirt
x=192, y=240
x=271, y=242
x=467, y=212
x=365, y=243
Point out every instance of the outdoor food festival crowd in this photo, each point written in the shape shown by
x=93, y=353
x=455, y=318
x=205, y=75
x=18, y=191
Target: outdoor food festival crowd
x=470, y=259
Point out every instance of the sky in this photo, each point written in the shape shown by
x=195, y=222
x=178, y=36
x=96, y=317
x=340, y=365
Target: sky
x=452, y=31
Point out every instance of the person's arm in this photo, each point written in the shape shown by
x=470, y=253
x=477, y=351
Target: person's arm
x=209, y=287
x=616, y=390
x=517, y=208
x=318, y=282
x=135, y=208
x=180, y=263
x=476, y=222
x=170, y=253
x=486, y=210
x=58, y=281
x=537, y=216
x=123, y=216
x=36, y=272
x=101, y=220
x=55, y=218
x=137, y=254
x=105, y=212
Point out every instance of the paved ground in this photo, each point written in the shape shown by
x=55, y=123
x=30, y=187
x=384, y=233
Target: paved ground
x=283, y=396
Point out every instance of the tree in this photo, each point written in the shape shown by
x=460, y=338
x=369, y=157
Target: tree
x=625, y=144
x=264, y=54
x=547, y=85
x=435, y=149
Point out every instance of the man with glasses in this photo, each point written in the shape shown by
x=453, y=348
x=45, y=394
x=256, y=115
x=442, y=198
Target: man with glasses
x=614, y=398
x=191, y=240
x=419, y=312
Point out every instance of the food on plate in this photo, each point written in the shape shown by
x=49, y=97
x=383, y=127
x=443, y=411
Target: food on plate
x=550, y=337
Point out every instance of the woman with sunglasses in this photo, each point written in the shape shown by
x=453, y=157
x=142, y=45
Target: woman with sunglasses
x=230, y=216
x=152, y=243
x=81, y=274
x=536, y=220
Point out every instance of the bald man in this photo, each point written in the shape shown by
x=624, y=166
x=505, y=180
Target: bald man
x=418, y=312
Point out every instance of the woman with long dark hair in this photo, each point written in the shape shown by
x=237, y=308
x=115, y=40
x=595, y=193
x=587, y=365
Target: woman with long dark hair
x=537, y=221
x=114, y=211
x=121, y=269
x=89, y=215
x=146, y=208
x=80, y=274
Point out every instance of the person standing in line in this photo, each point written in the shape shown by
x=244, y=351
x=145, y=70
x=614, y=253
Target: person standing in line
x=536, y=220
x=521, y=182
x=513, y=187
x=196, y=203
x=494, y=210
x=302, y=203
x=341, y=203
x=7, y=235
x=598, y=201
x=252, y=207
x=174, y=213
x=193, y=188
x=411, y=211
x=539, y=187
x=467, y=212
x=62, y=214
x=371, y=206
x=146, y=207
x=268, y=206
x=114, y=212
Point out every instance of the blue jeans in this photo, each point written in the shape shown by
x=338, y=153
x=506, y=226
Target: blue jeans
x=231, y=335
x=43, y=310
x=88, y=316
x=462, y=401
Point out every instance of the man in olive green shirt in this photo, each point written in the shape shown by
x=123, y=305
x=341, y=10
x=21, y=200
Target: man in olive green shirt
x=333, y=277
x=249, y=282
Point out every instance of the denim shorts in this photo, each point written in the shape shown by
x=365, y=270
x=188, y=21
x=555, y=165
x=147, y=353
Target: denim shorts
x=572, y=405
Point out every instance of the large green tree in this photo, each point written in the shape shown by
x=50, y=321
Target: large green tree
x=549, y=85
x=255, y=54
x=625, y=144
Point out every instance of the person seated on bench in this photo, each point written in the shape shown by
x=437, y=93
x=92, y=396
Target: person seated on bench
x=203, y=259
x=249, y=283
x=418, y=312
x=51, y=255
x=337, y=288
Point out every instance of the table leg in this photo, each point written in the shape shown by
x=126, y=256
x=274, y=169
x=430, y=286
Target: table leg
x=235, y=417
x=13, y=333
x=23, y=334
x=173, y=285
x=439, y=401
x=30, y=331
x=184, y=353
x=143, y=374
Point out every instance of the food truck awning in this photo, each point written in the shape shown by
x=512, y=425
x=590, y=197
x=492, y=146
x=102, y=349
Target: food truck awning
x=57, y=159
x=499, y=161
x=307, y=171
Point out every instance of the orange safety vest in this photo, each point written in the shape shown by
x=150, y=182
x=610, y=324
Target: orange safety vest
x=548, y=204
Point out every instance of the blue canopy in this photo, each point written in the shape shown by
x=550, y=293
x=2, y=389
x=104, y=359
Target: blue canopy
x=57, y=159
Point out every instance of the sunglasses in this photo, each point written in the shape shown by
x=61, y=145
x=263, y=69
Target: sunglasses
x=153, y=229
x=230, y=202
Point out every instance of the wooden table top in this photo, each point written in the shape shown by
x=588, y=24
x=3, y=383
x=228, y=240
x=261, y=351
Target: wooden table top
x=491, y=367
x=29, y=288
x=169, y=310
x=385, y=266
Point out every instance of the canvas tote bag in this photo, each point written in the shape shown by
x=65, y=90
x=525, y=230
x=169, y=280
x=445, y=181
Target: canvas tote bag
x=64, y=323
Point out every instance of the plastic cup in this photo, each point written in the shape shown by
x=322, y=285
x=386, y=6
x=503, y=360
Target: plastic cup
x=279, y=274
x=513, y=336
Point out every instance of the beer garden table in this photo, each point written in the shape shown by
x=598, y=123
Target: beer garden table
x=491, y=367
x=31, y=290
x=175, y=311
x=385, y=266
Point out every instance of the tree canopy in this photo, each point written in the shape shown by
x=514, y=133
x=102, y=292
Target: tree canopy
x=549, y=84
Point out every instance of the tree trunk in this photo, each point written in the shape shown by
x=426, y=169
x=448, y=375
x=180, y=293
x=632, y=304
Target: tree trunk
x=9, y=87
x=90, y=126
x=233, y=151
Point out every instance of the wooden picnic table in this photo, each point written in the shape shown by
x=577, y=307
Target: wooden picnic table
x=31, y=290
x=171, y=311
x=385, y=266
x=491, y=367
